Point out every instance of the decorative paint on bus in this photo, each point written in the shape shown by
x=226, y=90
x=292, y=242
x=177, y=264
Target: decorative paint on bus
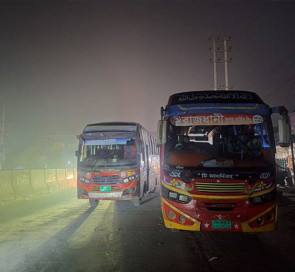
x=217, y=162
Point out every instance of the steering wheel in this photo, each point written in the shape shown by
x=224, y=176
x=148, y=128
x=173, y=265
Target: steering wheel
x=254, y=146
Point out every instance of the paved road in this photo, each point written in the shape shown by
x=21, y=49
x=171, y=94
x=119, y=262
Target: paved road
x=61, y=233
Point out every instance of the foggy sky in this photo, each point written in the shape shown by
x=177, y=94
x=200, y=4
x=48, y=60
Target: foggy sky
x=68, y=64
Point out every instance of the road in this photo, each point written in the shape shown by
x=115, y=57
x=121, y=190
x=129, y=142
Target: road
x=62, y=233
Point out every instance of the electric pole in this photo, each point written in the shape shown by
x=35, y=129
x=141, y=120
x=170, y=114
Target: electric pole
x=3, y=126
x=2, y=150
x=220, y=52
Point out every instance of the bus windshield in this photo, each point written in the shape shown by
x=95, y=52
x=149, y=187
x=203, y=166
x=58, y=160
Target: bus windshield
x=211, y=146
x=108, y=152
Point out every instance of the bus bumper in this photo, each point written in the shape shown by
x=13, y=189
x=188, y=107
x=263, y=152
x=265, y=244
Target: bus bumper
x=174, y=218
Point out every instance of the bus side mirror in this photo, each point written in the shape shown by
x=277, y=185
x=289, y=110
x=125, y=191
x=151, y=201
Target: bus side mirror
x=284, y=132
x=76, y=153
x=161, y=132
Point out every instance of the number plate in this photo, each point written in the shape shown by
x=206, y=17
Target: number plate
x=105, y=195
x=221, y=224
x=105, y=188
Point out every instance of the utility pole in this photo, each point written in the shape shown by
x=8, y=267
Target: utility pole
x=225, y=64
x=215, y=65
x=2, y=150
x=3, y=126
x=220, y=52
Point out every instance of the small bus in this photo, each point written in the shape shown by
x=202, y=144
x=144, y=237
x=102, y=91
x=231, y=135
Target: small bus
x=116, y=161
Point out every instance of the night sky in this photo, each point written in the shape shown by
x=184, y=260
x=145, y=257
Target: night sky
x=76, y=62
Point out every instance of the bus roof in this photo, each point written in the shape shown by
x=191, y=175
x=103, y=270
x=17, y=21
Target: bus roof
x=111, y=126
x=209, y=96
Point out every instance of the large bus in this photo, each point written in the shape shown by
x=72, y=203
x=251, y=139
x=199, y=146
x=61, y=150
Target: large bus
x=116, y=161
x=217, y=162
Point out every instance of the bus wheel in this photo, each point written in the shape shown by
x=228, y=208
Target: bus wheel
x=93, y=202
x=137, y=201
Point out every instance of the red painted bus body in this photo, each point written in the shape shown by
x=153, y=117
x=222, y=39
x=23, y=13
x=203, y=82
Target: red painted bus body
x=116, y=161
x=218, y=162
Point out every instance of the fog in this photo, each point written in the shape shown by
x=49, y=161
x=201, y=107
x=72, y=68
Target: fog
x=68, y=64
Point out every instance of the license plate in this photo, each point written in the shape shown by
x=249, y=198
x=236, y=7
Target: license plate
x=105, y=188
x=105, y=195
x=221, y=224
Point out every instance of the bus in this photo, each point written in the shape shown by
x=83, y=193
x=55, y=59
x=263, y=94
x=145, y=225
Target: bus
x=116, y=161
x=217, y=161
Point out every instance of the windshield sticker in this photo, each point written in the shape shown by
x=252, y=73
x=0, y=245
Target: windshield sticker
x=175, y=174
x=217, y=176
x=257, y=119
x=265, y=175
x=215, y=119
x=121, y=141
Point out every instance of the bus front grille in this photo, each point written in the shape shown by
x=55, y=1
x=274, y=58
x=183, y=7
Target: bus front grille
x=210, y=187
x=220, y=207
x=106, y=179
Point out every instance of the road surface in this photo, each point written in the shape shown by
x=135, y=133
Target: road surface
x=62, y=233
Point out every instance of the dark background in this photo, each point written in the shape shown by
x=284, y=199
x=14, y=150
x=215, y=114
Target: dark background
x=68, y=63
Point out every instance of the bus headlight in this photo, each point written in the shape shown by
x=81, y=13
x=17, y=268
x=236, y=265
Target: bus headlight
x=262, y=199
x=174, y=196
x=84, y=180
x=183, y=198
x=129, y=179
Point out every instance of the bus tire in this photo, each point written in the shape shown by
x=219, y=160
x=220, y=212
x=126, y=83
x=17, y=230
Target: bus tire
x=137, y=201
x=93, y=202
